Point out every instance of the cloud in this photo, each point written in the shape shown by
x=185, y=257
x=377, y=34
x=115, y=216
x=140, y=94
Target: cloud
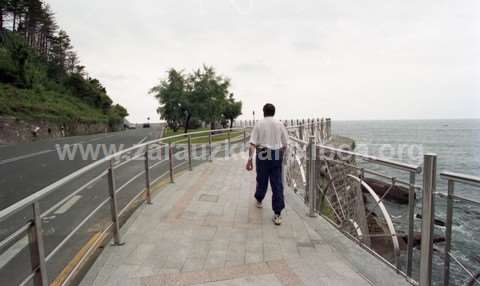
x=252, y=68
x=306, y=45
x=313, y=58
x=115, y=77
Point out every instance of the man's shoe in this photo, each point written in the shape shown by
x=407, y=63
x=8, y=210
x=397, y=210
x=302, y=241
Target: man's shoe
x=277, y=219
x=259, y=205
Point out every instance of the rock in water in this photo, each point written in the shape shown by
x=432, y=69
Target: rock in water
x=436, y=221
x=398, y=194
x=417, y=238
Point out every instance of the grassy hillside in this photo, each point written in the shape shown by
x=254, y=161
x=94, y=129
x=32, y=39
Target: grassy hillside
x=39, y=103
x=34, y=86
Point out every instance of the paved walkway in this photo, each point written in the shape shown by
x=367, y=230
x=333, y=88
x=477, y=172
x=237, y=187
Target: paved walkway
x=206, y=230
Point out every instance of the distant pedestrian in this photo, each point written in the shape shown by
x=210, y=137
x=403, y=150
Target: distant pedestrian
x=269, y=140
x=35, y=131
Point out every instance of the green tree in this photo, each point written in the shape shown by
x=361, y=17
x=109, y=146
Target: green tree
x=3, y=10
x=38, y=62
x=16, y=8
x=209, y=92
x=200, y=96
x=232, y=109
x=116, y=114
x=172, y=96
x=59, y=48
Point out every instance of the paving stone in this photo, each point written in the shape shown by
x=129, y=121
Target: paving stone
x=253, y=257
x=208, y=198
x=193, y=264
x=215, y=259
x=262, y=280
x=205, y=230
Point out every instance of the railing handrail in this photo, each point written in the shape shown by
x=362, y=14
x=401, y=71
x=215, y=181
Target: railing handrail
x=42, y=193
x=295, y=139
x=299, y=139
x=453, y=178
x=373, y=159
x=461, y=178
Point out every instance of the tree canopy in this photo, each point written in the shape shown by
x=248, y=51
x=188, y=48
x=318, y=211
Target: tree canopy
x=201, y=95
x=38, y=58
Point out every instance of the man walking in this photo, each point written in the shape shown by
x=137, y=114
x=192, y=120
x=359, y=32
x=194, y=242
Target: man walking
x=269, y=140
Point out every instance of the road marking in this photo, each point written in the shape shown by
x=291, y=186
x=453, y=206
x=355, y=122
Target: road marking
x=68, y=205
x=79, y=257
x=89, y=184
x=13, y=251
x=14, y=159
x=11, y=160
x=99, y=138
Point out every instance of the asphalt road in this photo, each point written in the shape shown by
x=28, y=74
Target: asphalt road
x=27, y=168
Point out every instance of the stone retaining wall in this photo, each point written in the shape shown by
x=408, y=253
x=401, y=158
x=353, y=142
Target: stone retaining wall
x=13, y=130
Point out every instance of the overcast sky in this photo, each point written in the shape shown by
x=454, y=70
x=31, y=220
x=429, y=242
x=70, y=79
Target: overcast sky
x=353, y=59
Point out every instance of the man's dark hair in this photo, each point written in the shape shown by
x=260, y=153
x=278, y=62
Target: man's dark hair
x=268, y=110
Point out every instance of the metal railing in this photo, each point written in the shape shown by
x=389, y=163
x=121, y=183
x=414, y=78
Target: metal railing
x=453, y=179
x=321, y=127
x=34, y=227
x=309, y=161
x=311, y=167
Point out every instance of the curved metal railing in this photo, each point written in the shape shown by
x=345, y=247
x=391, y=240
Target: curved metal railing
x=33, y=227
x=308, y=169
x=453, y=179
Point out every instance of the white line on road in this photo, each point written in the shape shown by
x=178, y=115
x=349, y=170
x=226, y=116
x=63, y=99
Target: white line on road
x=68, y=205
x=99, y=138
x=13, y=251
x=14, y=159
x=64, y=200
x=6, y=161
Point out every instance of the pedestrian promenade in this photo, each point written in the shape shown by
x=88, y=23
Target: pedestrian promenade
x=205, y=230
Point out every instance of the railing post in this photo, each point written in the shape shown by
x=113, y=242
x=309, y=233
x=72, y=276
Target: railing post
x=245, y=138
x=113, y=206
x=313, y=127
x=189, y=152
x=322, y=129
x=301, y=131
x=311, y=176
x=37, y=248
x=210, y=146
x=429, y=176
x=228, y=142
x=147, y=178
x=170, y=160
x=411, y=215
x=448, y=233
x=328, y=125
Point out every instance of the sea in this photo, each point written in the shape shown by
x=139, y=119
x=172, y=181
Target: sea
x=457, y=146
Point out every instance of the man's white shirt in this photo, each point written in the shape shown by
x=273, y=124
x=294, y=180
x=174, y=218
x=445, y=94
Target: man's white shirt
x=269, y=133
